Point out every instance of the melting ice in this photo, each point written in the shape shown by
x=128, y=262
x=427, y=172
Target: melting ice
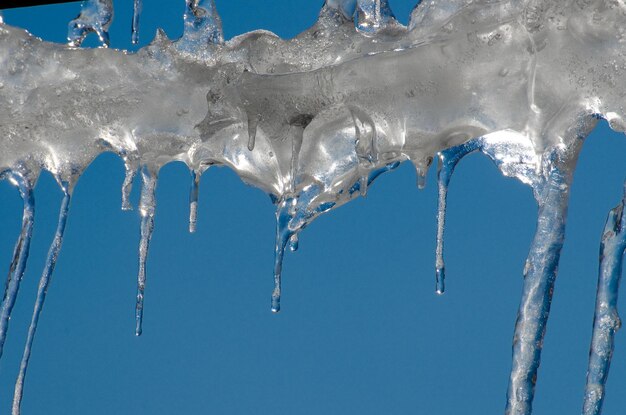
x=314, y=120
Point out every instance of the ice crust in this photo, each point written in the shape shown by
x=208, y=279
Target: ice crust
x=315, y=119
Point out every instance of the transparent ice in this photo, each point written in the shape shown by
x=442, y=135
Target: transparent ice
x=314, y=120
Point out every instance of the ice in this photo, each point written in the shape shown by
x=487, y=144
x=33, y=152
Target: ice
x=193, y=200
x=448, y=159
x=202, y=25
x=539, y=276
x=95, y=16
x=137, y=6
x=372, y=16
x=606, y=320
x=147, y=207
x=314, y=120
x=44, y=283
x=20, y=254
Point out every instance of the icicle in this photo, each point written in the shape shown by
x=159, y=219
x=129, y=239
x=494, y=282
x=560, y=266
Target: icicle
x=421, y=169
x=44, y=282
x=137, y=5
x=539, y=276
x=421, y=178
x=127, y=186
x=193, y=200
x=202, y=26
x=606, y=320
x=373, y=15
x=95, y=16
x=20, y=255
x=147, y=206
x=448, y=159
x=283, y=236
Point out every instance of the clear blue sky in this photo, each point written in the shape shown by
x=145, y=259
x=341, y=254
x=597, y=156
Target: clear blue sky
x=361, y=331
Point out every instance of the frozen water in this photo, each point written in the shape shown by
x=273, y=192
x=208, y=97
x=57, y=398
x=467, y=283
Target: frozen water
x=95, y=16
x=44, y=282
x=314, y=120
x=606, y=320
x=137, y=5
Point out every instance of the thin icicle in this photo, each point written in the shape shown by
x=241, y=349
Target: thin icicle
x=283, y=236
x=539, y=276
x=44, y=282
x=193, y=200
x=606, y=320
x=146, y=208
x=20, y=255
x=421, y=170
x=448, y=159
x=137, y=6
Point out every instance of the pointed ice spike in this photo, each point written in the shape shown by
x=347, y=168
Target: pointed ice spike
x=202, y=25
x=421, y=178
x=146, y=208
x=137, y=6
x=421, y=169
x=44, y=282
x=283, y=235
x=193, y=200
x=539, y=276
x=20, y=255
x=95, y=16
x=448, y=159
x=606, y=320
x=373, y=15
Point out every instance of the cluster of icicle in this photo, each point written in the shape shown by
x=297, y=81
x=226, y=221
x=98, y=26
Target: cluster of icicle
x=315, y=119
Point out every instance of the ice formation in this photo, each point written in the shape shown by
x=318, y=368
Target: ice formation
x=315, y=119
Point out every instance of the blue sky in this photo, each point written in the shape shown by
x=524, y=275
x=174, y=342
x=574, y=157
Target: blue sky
x=361, y=331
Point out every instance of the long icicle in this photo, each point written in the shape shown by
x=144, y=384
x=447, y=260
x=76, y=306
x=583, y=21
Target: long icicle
x=539, y=276
x=193, y=200
x=283, y=235
x=44, y=283
x=20, y=255
x=146, y=208
x=606, y=320
x=448, y=159
x=137, y=6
